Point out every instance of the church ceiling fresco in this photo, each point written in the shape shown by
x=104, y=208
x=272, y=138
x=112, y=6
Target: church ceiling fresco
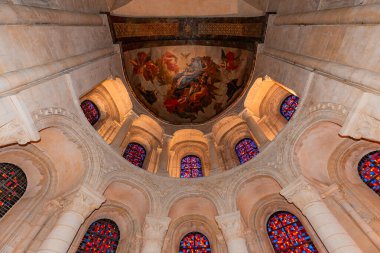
x=188, y=70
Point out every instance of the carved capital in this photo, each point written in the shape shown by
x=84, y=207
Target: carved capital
x=155, y=228
x=364, y=119
x=300, y=193
x=231, y=225
x=84, y=201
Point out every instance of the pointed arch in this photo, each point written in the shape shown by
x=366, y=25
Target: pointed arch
x=13, y=185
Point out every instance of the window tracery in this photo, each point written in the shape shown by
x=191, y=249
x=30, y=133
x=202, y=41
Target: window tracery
x=101, y=237
x=369, y=170
x=246, y=149
x=289, y=106
x=135, y=154
x=194, y=242
x=288, y=235
x=191, y=167
x=13, y=185
x=91, y=111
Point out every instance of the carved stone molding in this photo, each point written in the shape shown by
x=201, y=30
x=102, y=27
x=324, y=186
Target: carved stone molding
x=364, y=119
x=231, y=225
x=84, y=201
x=301, y=193
x=155, y=228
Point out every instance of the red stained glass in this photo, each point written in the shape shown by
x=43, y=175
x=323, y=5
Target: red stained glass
x=288, y=235
x=246, y=149
x=101, y=237
x=194, y=243
x=191, y=167
x=135, y=154
x=91, y=111
x=289, y=106
x=369, y=170
x=13, y=185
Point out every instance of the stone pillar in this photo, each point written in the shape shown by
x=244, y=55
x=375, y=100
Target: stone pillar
x=340, y=198
x=164, y=156
x=232, y=229
x=154, y=233
x=247, y=116
x=116, y=142
x=330, y=231
x=213, y=154
x=75, y=212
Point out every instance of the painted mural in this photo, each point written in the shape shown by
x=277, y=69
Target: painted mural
x=188, y=84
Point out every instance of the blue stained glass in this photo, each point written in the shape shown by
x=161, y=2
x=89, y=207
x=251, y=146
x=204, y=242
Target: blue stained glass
x=13, y=185
x=369, y=170
x=191, y=167
x=91, y=111
x=288, y=235
x=101, y=237
x=289, y=106
x=194, y=242
x=135, y=154
x=246, y=149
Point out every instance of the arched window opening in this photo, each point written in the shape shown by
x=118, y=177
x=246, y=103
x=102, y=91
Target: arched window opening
x=369, y=170
x=246, y=149
x=287, y=234
x=91, y=111
x=194, y=242
x=289, y=106
x=13, y=185
x=101, y=237
x=191, y=167
x=135, y=154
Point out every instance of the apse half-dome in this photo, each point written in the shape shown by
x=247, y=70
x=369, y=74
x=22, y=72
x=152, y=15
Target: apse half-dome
x=188, y=70
x=188, y=83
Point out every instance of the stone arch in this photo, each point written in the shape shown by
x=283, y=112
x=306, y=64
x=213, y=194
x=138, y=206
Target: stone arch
x=228, y=132
x=42, y=180
x=148, y=133
x=188, y=142
x=259, y=215
x=114, y=104
x=128, y=225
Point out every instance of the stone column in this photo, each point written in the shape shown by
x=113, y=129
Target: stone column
x=213, y=155
x=75, y=212
x=232, y=229
x=116, y=142
x=330, y=231
x=340, y=197
x=154, y=233
x=164, y=156
x=247, y=116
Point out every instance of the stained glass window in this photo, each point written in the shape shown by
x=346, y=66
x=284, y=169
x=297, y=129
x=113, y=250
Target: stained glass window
x=135, y=154
x=289, y=106
x=191, y=167
x=13, y=184
x=91, y=111
x=369, y=170
x=194, y=243
x=288, y=235
x=246, y=149
x=101, y=237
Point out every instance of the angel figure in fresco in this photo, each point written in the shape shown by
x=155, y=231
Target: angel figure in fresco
x=193, y=89
x=143, y=65
x=230, y=60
